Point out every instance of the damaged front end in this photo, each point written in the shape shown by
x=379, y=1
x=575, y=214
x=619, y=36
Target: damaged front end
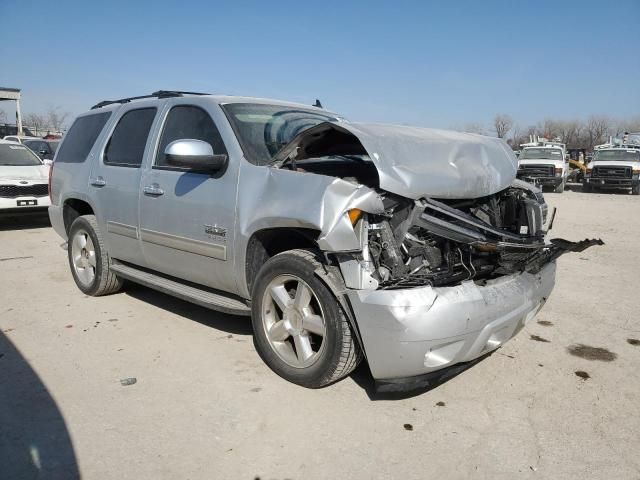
x=444, y=242
x=452, y=259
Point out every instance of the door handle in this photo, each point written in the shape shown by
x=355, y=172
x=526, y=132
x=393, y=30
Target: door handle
x=154, y=190
x=98, y=182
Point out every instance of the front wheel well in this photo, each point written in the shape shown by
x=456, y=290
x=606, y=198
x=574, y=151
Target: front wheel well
x=264, y=244
x=72, y=209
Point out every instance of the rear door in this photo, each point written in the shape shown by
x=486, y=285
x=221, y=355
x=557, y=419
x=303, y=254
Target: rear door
x=187, y=218
x=114, y=183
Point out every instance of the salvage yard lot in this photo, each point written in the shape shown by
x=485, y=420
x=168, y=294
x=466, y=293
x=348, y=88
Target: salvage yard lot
x=204, y=405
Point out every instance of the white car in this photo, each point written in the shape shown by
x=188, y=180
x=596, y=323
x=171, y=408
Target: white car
x=20, y=139
x=24, y=180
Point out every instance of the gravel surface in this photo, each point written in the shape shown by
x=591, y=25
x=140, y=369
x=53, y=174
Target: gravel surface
x=141, y=385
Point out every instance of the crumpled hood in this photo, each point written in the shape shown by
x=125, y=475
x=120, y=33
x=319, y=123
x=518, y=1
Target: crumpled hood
x=31, y=174
x=416, y=162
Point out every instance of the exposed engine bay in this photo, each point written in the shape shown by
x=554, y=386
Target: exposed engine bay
x=457, y=231
x=438, y=243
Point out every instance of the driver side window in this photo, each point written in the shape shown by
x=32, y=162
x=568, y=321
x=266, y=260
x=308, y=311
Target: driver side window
x=188, y=122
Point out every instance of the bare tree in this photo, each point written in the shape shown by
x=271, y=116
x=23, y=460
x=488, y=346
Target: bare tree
x=55, y=119
x=619, y=127
x=36, y=121
x=596, y=129
x=569, y=132
x=549, y=129
x=514, y=139
x=502, y=123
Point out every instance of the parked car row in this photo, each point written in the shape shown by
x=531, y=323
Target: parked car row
x=612, y=166
x=45, y=149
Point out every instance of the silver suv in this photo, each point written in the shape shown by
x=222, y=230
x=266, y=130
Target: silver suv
x=414, y=248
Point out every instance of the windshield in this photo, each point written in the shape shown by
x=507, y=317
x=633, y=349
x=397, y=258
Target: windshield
x=17, y=156
x=619, y=155
x=262, y=130
x=541, y=154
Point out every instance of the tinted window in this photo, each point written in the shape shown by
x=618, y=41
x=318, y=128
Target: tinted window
x=81, y=137
x=189, y=122
x=36, y=145
x=126, y=145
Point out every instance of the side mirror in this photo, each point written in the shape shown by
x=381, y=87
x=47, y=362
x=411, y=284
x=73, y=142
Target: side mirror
x=47, y=162
x=194, y=155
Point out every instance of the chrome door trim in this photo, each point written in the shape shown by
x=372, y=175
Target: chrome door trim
x=122, y=229
x=184, y=244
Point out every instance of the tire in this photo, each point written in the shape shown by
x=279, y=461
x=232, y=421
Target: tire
x=586, y=188
x=88, y=259
x=560, y=188
x=310, y=345
x=635, y=189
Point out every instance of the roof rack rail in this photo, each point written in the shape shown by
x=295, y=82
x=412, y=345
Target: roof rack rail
x=158, y=94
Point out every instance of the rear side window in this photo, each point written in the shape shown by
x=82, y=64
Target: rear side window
x=126, y=145
x=189, y=122
x=81, y=137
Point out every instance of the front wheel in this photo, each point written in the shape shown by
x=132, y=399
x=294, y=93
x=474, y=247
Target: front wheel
x=299, y=328
x=635, y=189
x=560, y=188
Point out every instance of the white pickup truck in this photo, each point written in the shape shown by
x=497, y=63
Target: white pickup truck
x=614, y=167
x=544, y=165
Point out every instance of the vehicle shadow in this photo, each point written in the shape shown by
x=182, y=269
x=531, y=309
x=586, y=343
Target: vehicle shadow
x=241, y=325
x=40, y=220
x=379, y=391
x=234, y=324
x=34, y=440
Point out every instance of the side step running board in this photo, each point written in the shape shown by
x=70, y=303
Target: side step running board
x=199, y=296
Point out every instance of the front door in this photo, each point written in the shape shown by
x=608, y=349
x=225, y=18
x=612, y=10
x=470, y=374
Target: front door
x=187, y=218
x=115, y=181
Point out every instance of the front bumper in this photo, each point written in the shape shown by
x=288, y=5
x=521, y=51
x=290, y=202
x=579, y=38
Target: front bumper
x=412, y=332
x=9, y=206
x=605, y=182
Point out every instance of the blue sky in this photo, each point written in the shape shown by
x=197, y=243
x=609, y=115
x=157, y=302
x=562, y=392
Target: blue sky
x=437, y=64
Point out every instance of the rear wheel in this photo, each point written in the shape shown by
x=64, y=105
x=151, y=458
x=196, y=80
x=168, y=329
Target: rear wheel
x=299, y=328
x=88, y=258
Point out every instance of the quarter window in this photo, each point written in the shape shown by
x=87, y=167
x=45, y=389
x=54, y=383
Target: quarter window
x=126, y=145
x=81, y=137
x=189, y=122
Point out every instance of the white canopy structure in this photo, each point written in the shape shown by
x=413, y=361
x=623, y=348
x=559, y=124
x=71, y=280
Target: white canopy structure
x=13, y=94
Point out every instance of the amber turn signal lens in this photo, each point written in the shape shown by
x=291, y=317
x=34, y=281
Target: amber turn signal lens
x=354, y=215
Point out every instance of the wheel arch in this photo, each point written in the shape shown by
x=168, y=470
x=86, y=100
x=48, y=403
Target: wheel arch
x=264, y=244
x=74, y=207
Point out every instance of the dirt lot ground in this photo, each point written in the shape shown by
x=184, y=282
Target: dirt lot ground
x=205, y=406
